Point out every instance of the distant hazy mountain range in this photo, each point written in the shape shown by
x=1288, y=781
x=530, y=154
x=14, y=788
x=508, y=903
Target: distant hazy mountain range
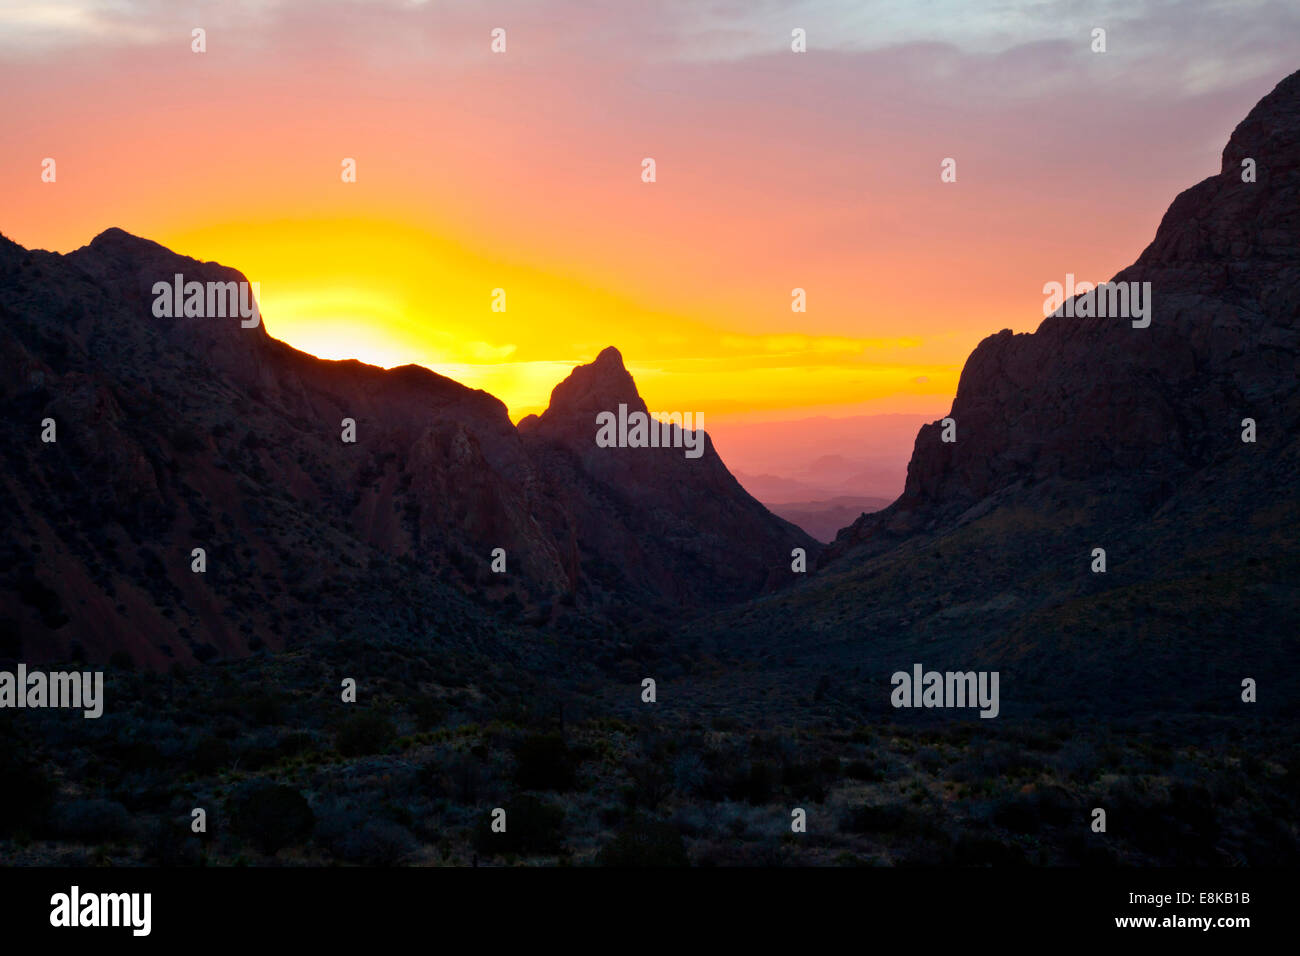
x=824, y=519
x=785, y=465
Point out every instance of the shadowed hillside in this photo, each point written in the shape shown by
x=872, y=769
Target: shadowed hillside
x=475, y=691
x=1093, y=433
x=189, y=432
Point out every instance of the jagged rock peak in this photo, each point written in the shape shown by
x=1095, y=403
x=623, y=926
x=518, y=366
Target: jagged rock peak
x=115, y=238
x=602, y=385
x=1269, y=132
x=1102, y=401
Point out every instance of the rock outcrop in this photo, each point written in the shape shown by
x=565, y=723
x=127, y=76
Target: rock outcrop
x=1096, y=399
x=682, y=525
x=177, y=433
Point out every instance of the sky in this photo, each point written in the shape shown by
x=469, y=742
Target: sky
x=522, y=171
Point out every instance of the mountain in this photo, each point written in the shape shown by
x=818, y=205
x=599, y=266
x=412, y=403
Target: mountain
x=1093, y=433
x=1096, y=399
x=177, y=433
x=823, y=519
x=652, y=516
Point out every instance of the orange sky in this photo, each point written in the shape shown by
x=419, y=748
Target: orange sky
x=521, y=171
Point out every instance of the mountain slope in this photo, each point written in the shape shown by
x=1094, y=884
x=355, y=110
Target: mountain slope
x=681, y=524
x=183, y=433
x=1085, y=398
x=1091, y=433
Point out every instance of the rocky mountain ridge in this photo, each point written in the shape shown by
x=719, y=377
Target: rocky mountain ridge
x=1098, y=399
x=175, y=433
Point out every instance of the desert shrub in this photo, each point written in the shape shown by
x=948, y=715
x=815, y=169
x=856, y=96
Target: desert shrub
x=978, y=849
x=370, y=841
x=864, y=771
x=874, y=819
x=210, y=755
x=823, y=687
x=1179, y=827
x=689, y=773
x=650, y=784
x=264, y=709
x=365, y=733
x=428, y=713
x=1058, y=806
x=544, y=762
x=91, y=821
x=380, y=843
x=1020, y=812
x=26, y=792
x=136, y=756
x=611, y=815
x=171, y=843
x=929, y=759
x=467, y=777
x=292, y=744
x=1077, y=760
x=645, y=843
x=532, y=826
x=1291, y=780
x=806, y=780
x=990, y=762
x=272, y=816
x=755, y=785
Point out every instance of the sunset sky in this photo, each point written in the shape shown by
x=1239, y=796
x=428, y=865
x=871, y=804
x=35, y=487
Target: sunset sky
x=522, y=171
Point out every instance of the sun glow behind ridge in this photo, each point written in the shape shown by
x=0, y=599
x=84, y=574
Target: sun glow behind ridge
x=521, y=172
x=390, y=293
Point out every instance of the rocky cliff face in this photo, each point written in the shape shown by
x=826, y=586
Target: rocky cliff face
x=682, y=525
x=1092, y=438
x=1098, y=400
x=183, y=433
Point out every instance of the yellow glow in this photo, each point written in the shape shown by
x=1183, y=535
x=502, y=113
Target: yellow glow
x=390, y=293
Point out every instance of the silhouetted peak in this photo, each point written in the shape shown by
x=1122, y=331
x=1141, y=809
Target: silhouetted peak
x=114, y=238
x=1270, y=133
x=1135, y=408
x=112, y=234
x=599, y=386
x=118, y=249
